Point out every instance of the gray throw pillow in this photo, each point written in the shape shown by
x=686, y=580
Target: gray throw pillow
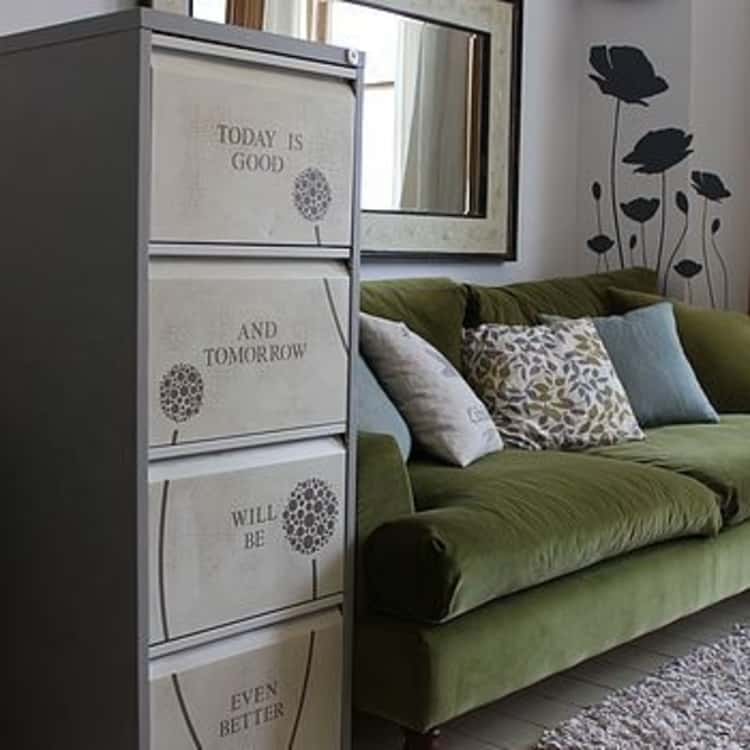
x=444, y=415
x=647, y=353
x=375, y=411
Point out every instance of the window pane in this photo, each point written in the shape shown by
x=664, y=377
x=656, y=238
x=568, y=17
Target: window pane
x=210, y=10
x=378, y=148
x=373, y=31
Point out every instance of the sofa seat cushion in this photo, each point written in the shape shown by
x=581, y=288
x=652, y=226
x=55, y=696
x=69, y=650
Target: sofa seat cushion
x=516, y=519
x=718, y=455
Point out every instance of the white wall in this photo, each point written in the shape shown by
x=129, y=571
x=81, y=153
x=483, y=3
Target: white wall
x=720, y=118
x=21, y=15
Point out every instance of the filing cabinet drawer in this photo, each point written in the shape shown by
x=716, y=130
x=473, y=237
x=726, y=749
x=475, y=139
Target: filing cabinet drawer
x=251, y=154
x=243, y=534
x=278, y=689
x=243, y=348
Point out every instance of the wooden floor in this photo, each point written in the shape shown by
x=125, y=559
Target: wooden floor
x=517, y=722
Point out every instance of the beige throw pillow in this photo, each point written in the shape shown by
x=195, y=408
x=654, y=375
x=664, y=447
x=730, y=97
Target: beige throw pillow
x=549, y=386
x=444, y=414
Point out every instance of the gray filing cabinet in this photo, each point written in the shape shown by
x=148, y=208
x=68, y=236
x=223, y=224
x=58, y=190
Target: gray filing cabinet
x=180, y=283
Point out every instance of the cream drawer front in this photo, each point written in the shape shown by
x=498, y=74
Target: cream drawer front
x=242, y=348
x=274, y=690
x=251, y=154
x=243, y=534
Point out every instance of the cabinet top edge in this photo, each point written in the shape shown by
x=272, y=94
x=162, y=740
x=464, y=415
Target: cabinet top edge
x=181, y=26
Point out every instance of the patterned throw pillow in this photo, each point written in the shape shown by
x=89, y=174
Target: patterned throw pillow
x=549, y=387
x=444, y=414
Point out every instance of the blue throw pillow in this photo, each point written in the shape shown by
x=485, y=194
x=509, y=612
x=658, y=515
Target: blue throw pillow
x=647, y=353
x=376, y=411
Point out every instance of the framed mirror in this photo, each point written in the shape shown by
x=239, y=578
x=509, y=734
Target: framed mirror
x=441, y=114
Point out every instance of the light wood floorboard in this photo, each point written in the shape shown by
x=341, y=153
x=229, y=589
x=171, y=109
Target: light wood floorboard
x=517, y=722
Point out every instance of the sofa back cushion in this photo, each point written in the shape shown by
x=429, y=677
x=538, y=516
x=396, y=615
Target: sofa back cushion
x=432, y=308
x=717, y=343
x=578, y=297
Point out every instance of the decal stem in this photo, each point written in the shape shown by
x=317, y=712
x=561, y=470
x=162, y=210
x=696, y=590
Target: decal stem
x=613, y=180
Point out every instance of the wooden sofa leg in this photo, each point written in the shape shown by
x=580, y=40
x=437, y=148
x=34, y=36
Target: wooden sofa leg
x=427, y=741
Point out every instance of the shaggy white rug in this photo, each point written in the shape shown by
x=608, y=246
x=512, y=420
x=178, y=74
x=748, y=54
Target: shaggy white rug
x=698, y=702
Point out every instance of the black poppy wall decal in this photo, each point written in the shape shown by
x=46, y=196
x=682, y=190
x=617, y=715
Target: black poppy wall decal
x=641, y=211
x=660, y=150
x=712, y=189
x=682, y=203
x=309, y=520
x=715, y=227
x=312, y=196
x=683, y=206
x=688, y=269
x=596, y=192
x=626, y=74
x=656, y=153
x=632, y=244
x=601, y=245
x=709, y=186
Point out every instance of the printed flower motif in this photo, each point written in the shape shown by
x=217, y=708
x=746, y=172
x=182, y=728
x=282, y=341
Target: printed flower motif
x=710, y=186
x=688, y=269
x=181, y=392
x=641, y=210
x=660, y=150
x=309, y=518
x=626, y=74
x=681, y=201
x=600, y=244
x=312, y=194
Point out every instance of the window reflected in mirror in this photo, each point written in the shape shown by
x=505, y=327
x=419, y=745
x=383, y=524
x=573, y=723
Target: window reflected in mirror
x=425, y=127
x=210, y=10
x=425, y=105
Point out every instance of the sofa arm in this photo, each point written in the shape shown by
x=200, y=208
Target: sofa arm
x=416, y=566
x=383, y=494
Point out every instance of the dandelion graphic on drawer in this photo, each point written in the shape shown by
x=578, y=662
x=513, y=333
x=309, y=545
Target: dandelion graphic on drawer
x=309, y=520
x=181, y=394
x=181, y=398
x=312, y=197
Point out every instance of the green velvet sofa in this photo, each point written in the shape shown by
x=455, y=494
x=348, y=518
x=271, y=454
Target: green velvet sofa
x=474, y=583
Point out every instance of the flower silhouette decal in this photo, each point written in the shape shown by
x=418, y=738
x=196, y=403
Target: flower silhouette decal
x=312, y=196
x=688, y=269
x=709, y=186
x=181, y=392
x=601, y=245
x=309, y=518
x=626, y=74
x=656, y=153
x=660, y=150
x=641, y=210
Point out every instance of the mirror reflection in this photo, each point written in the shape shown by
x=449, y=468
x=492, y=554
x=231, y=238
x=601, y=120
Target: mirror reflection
x=425, y=105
